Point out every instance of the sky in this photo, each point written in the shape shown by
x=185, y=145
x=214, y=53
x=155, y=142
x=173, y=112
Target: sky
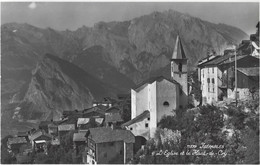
x=72, y=15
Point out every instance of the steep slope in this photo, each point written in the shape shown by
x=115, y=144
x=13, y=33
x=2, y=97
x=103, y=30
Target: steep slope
x=93, y=61
x=58, y=85
x=116, y=53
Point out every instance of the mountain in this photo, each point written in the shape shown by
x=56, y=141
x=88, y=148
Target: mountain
x=114, y=55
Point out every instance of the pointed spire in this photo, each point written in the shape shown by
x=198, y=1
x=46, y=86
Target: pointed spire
x=178, y=52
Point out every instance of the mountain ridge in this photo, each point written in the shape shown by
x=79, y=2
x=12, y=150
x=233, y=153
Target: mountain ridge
x=116, y=54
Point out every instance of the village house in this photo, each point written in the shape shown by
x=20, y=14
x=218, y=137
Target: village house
x=23, y=134
x=217, y=75
x=210, y=78
x=39, y=140
x=91, y=122
x=79, y=139
x=106, y=145
x=65, y=128
x=159, y=96
x=113, y=117
x=14, y=144
x=247, y=76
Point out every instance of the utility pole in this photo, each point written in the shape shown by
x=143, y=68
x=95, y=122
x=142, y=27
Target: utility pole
x=235, y=75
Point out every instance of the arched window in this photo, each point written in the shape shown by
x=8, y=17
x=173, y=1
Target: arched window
x=180, y=67
x=166, y=104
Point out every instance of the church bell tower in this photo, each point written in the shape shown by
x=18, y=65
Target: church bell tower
x=179, y=71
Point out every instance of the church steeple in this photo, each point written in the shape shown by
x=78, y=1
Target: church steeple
x=179, y=69
x=178, y=52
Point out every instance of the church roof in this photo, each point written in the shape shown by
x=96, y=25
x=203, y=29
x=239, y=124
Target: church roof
x=178, y=52
x=153, y=79
x=138, y=118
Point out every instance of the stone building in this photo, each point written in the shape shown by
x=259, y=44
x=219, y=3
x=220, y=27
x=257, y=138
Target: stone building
x=106, y=145
x=210, y=78
x=159, y=96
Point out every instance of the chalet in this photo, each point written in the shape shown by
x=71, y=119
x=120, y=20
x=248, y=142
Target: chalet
x=106, y=102
x=86, y=123
x=101, y=141
x=247, y=76
x=79, y=139
x=14, y=144
x=39, y=140
x=23, y=134
x=113, y=117
x=65, y=128
x=53, y=129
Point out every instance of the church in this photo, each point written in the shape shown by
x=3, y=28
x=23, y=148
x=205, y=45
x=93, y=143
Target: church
x=159, y=96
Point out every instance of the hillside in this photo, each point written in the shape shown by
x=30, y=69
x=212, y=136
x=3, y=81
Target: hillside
x=92, y=62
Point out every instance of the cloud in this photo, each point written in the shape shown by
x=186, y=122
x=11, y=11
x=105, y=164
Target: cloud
x=32, y=5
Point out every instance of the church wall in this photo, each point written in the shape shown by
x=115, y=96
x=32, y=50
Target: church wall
x=133, y=104
x=181, y=78
x=142, y=100
x=166, y=92
x=153, y=108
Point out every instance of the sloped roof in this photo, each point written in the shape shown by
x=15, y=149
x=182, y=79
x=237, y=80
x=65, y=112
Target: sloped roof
x=138, y=118
x=216, y=61
x=152, y=79
x=206, y=59
x=112, y=110
x=241, y=57
x=114, y=117
x=254, y=71
x=80, y=136
x=99, y=120
x=16, y=140
x=83, y=121
x=66, y=127
x=39, y=133
x=178, y=52
x=104, y=134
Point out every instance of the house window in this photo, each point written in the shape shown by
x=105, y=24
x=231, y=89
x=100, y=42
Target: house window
x=212, y=70
x=208, y=80
x=148, y=118
x=208, y=70
x=146, y=125
x=213, y=81
x=213, y=89
x=208, y=89
x=180, y=67
x=131, y=128
x=166, y=104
